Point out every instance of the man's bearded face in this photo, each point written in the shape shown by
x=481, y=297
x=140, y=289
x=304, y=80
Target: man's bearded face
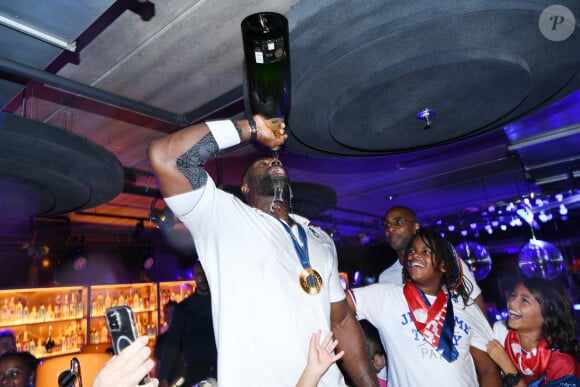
x=267, y=185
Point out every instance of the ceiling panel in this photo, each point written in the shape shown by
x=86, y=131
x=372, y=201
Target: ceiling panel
x=360, y=74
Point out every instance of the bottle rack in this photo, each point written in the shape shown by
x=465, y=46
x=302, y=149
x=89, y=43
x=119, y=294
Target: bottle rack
x=141, y=297
x=77, y=313
x=31, y=313
x=172, y=291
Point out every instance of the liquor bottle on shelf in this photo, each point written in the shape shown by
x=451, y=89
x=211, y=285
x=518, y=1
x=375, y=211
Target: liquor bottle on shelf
x=40, y=348
x=50, y=341
x=147, y=299
x=267, y=58
x=80, y=338
x=94, y=337
x=41, y=312
x=18, y=344
x=61, y=341
x=32, y=346
x=79, y=303
x=18, y=310
x=33, y=314
x=136, y=304
x=25, y=342
x=64, y=309
x=71, y=340
x=25, y=313
x=129, y=299
x=11, y=309
x=72, y=307
x=100, y=304
x=108, y=301
x=104, y=334
x=5, y=310
x=57, y=307
x=49, y=313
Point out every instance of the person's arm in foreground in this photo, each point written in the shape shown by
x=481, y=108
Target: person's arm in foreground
x=320, y=357
x=351, y=339
x=487, y=371
x=500, y=356
x=128, y=368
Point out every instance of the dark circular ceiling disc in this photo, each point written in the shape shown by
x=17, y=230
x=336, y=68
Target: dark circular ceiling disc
x=358, y=83
x=45, y=170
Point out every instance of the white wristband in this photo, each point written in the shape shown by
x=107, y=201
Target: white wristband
x=224, y=132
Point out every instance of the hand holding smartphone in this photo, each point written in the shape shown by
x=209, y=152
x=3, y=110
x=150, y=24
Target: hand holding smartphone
x=123, y=329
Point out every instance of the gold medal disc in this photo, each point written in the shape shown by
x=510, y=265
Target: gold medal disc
x=310, y=281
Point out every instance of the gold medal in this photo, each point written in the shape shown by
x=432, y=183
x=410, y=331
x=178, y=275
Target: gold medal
x=310, y=281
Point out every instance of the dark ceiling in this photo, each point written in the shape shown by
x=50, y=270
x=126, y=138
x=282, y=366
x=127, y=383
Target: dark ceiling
x=502, y=77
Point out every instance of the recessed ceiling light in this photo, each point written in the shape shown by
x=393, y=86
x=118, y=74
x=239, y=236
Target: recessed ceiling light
x=426, y=115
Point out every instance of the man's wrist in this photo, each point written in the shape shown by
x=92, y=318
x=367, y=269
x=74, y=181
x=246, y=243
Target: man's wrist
x=253, y=129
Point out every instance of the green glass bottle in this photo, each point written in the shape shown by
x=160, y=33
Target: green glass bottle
x=267, y=58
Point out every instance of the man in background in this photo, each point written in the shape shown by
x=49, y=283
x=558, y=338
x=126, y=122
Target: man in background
x=191, y=334
x=176, y=368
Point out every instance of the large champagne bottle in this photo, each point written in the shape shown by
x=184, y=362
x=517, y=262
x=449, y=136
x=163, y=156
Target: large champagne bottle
x=267, y=58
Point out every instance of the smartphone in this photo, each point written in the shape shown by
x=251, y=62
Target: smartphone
x=123, y=329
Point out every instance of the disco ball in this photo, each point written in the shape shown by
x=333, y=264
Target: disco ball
x=476, y=257
x=541, y=259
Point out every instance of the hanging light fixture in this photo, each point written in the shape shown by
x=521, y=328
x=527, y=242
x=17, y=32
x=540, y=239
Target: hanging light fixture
x=541, y=259
x=476, y=257
x=533, y=208
x=162, y=218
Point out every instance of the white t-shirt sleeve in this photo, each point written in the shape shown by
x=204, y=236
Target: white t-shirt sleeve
x=369, y=300
x=482, y=332
x=225, y=135
x=500, y=331
x=184, y=203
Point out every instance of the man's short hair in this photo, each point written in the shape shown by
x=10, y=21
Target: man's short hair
x=409, y=210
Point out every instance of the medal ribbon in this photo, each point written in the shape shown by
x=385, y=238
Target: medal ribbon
x=532, y=364
x=438, y=327
x=301, y=250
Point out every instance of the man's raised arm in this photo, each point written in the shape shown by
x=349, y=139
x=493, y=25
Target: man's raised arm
x=178, y=158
